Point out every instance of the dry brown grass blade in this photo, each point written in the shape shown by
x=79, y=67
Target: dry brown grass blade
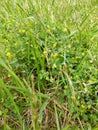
x=35, y=123
x=70, y=84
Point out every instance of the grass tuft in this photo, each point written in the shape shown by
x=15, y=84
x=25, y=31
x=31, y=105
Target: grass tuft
x=48, y=65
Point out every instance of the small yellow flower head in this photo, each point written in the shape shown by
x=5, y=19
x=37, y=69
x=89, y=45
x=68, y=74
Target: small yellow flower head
x=10, y=15
x=21, y=30
x=71, y=77
x=92, y=21
x=48, y=31
x=69, y=46
x=82, y=106
x=8, y=54
x=77, y=76
x=49, y=50
x=89, y=106
x=54, y=55
x=91, y=61
x=12, y=20
x=65, y=86
x=60, y=67
x=85, y=89
x=59, y=72
x=9, y=75
x=34, y=58
x=90, y=81
x=73, y=58
x=83, y=53
x=72, y=97
x=94, y=79
x=45, y=52
x=27, y=43
x=15, y=44
x=47, y=78
x=65, y=29
x=54, y=45
x=97, y=18
x=63, y=65
x=6, y=49
x=54, y=66
x=76, y=57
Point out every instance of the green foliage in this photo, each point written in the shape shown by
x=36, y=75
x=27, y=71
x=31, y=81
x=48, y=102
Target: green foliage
x=56, y=42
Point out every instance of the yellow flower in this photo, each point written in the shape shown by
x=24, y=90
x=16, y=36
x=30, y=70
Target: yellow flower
x=65, y=29
x=15, y=44
x=27, y=43
x=92, y=21
x=21, y=30
x=73, y=58
x=6, y=49
x=85, y=89
x=69, y=46
x=8, y=54
x=54, y=66
x=60, y=67
x=63, y=65
x=77, y=76
x=9, y=75
x=47, y=78
x=48, y=30
x=34, y=58
x=83, y=53
x=82, y=106
x=90, y=81
x=71, y=77
x=91, y=61
x=76, y=57
x=54, y=55
x=72, y=97
x=89, y=106
x=45, y=52
x=54, y=45
x=65, y=86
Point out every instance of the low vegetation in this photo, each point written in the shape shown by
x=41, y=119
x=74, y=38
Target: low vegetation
x=48, y=65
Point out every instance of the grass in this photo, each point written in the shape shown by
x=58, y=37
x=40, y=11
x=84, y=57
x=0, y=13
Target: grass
x=49, y=65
